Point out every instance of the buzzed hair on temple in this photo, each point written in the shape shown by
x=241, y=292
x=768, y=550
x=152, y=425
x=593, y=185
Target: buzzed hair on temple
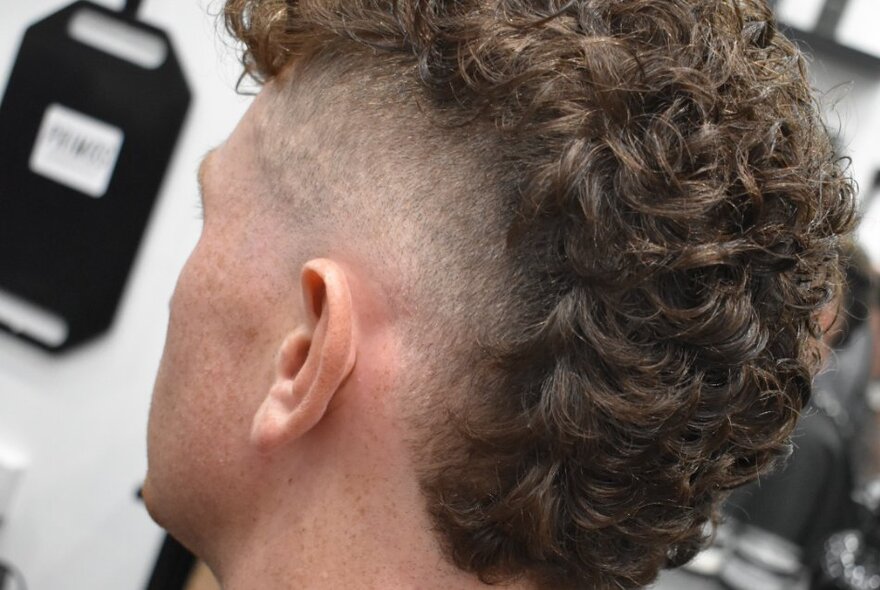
x=354, y=158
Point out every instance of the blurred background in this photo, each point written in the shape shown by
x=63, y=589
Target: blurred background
x=73, y=425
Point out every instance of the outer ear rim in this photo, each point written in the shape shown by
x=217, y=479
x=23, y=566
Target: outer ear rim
x=313, y=361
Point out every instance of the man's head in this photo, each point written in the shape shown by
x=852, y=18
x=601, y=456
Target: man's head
x=549, y=271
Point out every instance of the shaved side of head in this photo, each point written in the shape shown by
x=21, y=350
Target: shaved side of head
x=360, y=166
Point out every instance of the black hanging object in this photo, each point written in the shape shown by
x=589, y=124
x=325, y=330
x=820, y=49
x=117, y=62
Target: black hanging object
x=131, y=8
x=91, y=115
x=173, y=568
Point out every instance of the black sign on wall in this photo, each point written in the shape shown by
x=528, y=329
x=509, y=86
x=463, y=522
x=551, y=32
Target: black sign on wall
x=88, y=124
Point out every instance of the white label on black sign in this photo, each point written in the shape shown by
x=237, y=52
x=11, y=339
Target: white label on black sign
x=76, y=150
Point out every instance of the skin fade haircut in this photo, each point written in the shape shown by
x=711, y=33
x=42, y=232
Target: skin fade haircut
x=670, y=212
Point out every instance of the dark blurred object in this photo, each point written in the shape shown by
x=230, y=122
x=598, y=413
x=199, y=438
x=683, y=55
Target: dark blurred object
x=11, y=577
x=759, y=560
x=810, y=497
x=174, y=565
x=840, y=390
x=851, y=562
x=91, y=115
x=851, y=559
x=741, y=557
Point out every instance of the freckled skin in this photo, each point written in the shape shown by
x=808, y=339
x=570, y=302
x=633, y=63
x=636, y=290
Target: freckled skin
x=337, y=505
x=218, y=355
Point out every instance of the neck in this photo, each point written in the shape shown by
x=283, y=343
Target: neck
x=341, y=548
x=355, y=521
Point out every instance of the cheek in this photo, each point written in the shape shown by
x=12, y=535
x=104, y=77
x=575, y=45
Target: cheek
x=182, y=341
x=209, y=383
x=212, y=308
x=221, y=338
x=191, y=358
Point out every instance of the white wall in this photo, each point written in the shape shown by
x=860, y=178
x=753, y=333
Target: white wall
x=80, y=420
x=851, y=97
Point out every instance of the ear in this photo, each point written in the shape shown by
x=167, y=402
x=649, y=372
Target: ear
x=313, y=361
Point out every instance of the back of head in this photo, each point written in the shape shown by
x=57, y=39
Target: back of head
x=616, y=305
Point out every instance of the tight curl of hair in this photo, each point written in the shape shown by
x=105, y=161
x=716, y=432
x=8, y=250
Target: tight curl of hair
x=679, y=217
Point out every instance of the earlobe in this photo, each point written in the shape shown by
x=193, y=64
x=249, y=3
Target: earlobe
x=312, y=362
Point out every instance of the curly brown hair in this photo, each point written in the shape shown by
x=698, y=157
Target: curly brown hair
x=676, y=213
